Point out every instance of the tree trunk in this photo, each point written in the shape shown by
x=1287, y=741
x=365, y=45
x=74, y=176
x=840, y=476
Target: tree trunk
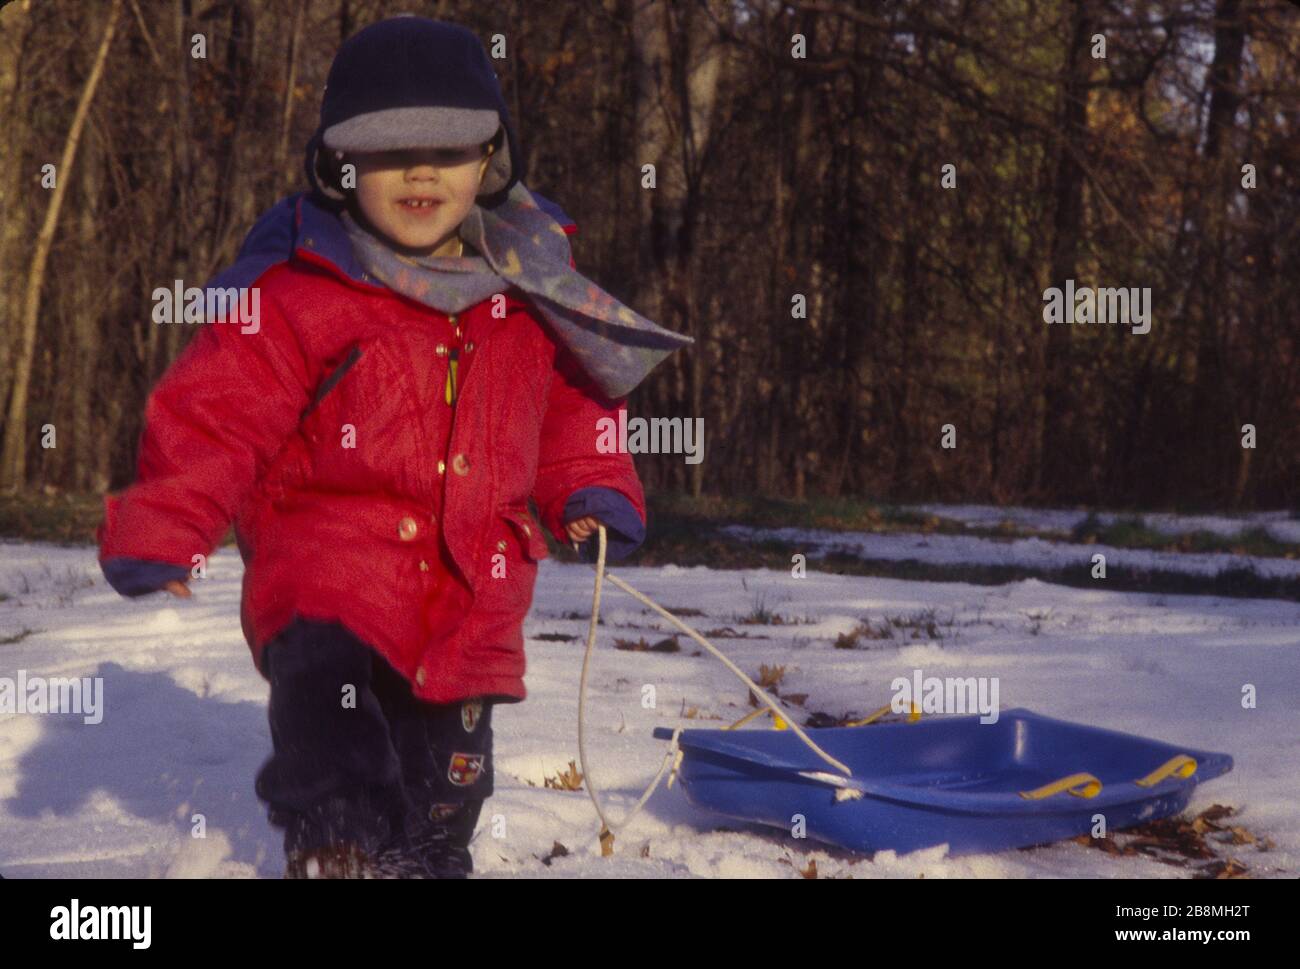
x=13, y=463
x=88, y=308
x=14, y=231
x=678, y=63
x=291, y=80
x=1212, y=397
x=1060, y=450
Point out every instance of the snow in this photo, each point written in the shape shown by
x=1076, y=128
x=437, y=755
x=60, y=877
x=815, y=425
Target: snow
x=1284, y=526
x=184, y=723
x=1035, y=553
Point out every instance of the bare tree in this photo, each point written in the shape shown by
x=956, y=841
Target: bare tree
x=13, y=463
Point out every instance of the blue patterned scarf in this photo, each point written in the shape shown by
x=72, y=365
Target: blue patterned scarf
x=520, y=245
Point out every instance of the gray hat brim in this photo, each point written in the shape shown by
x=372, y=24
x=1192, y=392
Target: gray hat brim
x=397, y=129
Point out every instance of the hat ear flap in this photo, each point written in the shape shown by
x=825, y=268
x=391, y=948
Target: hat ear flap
x=499, y=167
x=321, y=173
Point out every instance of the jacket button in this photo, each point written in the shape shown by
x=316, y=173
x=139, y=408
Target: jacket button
x=460, y=465
x=407, y=529
x=424, y=566
x=442, y=467
x=421, y=676
x=501, y=545
x=528, y=531
x=452, y=319
x=440, y=349
x=469, y=346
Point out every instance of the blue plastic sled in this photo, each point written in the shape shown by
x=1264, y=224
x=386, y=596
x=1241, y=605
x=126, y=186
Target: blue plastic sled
x=1025, y=780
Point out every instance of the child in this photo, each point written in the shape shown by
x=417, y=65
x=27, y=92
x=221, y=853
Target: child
x=425, y=358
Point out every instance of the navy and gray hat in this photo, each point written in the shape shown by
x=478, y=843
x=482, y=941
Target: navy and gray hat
x=412, y=82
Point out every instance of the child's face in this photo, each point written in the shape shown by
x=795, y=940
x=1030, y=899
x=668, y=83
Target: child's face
x=418, y=198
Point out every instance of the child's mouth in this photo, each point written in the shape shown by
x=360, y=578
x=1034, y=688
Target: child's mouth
x=420, y=207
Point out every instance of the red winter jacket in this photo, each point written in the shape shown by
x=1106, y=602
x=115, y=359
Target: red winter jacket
x=417, y=537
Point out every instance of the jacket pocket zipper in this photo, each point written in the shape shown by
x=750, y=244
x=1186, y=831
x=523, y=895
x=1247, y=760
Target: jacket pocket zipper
x=330, y=382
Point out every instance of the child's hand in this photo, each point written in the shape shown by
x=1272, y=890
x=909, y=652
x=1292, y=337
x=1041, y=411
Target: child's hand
x=580, y=529
x=141, y=577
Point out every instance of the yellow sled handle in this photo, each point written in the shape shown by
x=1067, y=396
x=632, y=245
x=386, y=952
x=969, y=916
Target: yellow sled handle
x=1180, y=764
x=914, y=716
x=779, y=724
x=1080, y=785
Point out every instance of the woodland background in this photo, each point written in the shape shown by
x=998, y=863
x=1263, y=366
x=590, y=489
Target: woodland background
x=775, y=176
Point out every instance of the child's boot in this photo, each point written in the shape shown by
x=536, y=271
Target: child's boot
x=443, y=849
x=344, y=860
x=437, y=848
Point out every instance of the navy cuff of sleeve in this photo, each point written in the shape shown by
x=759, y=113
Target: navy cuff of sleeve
x=137, y=577
x=624, y=530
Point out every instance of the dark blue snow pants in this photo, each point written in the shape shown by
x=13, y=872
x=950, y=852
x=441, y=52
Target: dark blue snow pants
x=358, y=758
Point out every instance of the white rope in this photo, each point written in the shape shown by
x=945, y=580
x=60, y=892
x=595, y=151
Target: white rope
x=672, y=754
x=609, y=826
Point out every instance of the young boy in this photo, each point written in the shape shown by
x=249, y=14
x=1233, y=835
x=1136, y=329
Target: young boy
x=425, y=358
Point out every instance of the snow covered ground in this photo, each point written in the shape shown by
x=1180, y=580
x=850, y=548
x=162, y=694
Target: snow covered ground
x=184, y=714
x=1283, y=526
x=1034, y=553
